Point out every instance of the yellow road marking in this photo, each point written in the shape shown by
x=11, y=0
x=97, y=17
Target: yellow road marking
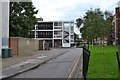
x=74, y=62
x=73, y=68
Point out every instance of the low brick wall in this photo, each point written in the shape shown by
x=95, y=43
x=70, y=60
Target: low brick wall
x=25, y=45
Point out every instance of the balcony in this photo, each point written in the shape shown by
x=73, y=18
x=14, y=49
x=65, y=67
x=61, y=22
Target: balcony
x=44, y=27
x=44, y=36
x=58, y=27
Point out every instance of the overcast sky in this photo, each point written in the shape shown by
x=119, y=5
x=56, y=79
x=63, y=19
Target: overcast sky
x=70, y=9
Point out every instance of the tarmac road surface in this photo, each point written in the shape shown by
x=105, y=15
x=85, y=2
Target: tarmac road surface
x=63, y=66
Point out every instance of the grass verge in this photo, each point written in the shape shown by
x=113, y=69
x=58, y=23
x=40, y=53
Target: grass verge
x=103, y=65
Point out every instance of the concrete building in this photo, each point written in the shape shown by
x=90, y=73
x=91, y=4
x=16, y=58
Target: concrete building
x=116, y=27
x=56, y=33
x=39, y=19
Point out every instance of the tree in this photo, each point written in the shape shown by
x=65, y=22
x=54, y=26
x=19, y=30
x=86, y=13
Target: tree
x=106, y=27
x=96, y=24
x=79, y=22
x=76, y=36
x=22, y=18
x=89, y=28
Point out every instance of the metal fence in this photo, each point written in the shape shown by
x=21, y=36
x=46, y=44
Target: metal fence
x=118, y=59
x=86, y=57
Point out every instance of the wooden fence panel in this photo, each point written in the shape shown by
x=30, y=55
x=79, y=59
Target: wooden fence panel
x=13, y=43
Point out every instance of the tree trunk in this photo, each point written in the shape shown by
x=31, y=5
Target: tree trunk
x=90, y=42
x=96, y=43
x=103, y=47
x=88, y=45
x=93, y=43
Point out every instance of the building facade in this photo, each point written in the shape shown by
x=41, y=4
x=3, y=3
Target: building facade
x=116, y=27
x=56, y=33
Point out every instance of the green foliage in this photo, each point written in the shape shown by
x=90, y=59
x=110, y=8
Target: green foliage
x=22, y=18
x=76, y=36
x=96, y=23
x=79, y=22
x=80, y=46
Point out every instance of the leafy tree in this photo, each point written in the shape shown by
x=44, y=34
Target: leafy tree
x=88, y=30
x=96, y=24
x=22, y=18
x=76, y=36
x=106, y=27
x=79, y=22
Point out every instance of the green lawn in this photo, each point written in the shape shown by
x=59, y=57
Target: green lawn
x=80, y=46
x=103, y=66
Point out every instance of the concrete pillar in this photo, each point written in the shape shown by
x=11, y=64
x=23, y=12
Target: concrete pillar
x=53, y=36
x=69, y=33
x=0, y=27
x=53, y=42
x=0, y=39
x=62, y=33
x=35, y=31
x=43, y=44
x=4, y=28
x=5, y=24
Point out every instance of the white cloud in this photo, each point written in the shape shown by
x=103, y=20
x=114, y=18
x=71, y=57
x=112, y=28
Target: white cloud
x=70, y=9
x=49, y=9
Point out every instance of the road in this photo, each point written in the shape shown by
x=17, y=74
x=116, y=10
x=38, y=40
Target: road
x=64, y=66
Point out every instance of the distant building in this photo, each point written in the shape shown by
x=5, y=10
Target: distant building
x=116, y=27
x=39, y=19
x=56, y=33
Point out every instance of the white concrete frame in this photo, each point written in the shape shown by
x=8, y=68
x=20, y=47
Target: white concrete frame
x=63, y=44
x=67, y=44
x=0, y=27
x=5, y=23
x=0, y=39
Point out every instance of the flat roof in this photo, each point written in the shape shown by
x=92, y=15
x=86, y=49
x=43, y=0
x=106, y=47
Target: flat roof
x=57, y=21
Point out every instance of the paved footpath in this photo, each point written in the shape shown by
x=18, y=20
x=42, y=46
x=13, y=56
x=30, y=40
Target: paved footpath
x=32, y=61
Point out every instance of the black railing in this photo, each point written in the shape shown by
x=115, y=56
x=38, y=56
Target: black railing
x=118, y=59
x=86, y=57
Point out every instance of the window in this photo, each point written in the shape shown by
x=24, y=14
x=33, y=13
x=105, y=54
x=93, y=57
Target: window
x=72, y=40
x=58, y=33
x=57, y=36
x=57, y=27
x=72, y=37
x=66, y=24
x=72, y=29
x=58, y=24
x=66, y=32
x=72, y=24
